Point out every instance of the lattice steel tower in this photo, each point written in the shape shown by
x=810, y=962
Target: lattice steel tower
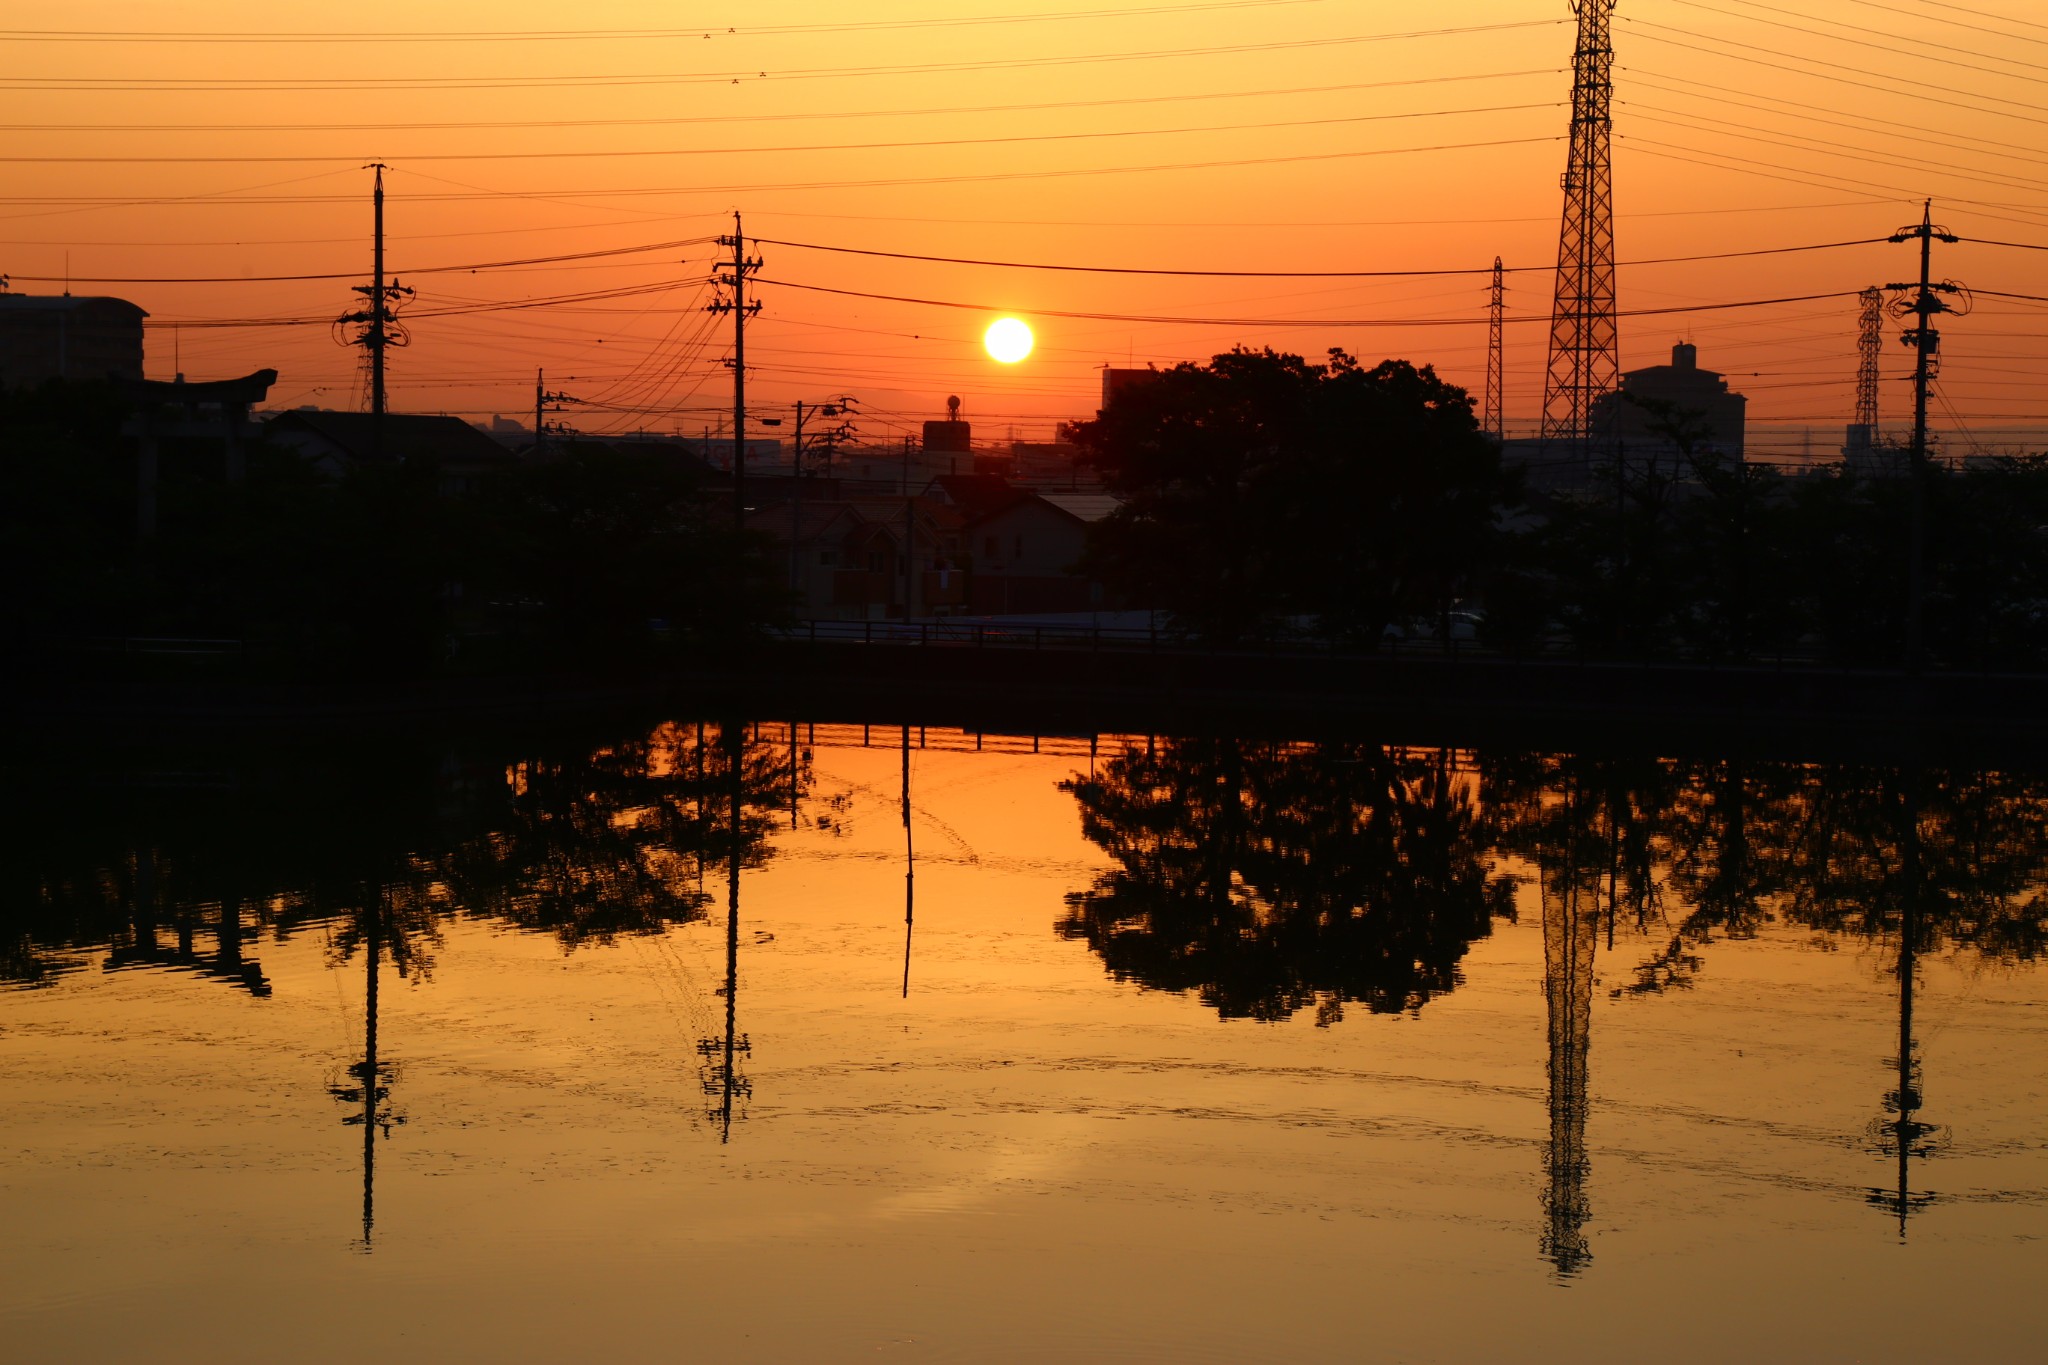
x=1861, y=446
x=1584, y=342
x=1869, y=345
x=1495, y=307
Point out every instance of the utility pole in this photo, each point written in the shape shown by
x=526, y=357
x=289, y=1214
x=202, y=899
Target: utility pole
x=378, y=321
x=796, y=499
x=543, y=403
x=1584, y=338
x=909, y=539
x=741, y=265
x=1491, y=420
x=796, y=472
x=1923, y=303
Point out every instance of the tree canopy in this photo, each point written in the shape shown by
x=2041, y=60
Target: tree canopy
x=1260, y=488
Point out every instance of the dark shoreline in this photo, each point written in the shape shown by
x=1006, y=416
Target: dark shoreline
x=1790, y=712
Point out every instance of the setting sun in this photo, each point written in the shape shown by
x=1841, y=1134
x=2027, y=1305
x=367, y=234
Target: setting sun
x=1007, y=340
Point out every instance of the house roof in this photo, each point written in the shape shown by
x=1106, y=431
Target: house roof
x=1086, y=507
x=678, y=451
x=977, y=495
x=889, y=511
x=409, y=436
x=815, y=521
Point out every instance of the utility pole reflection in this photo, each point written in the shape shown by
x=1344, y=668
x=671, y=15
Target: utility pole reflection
x=722, y=1079
x=371, y=1077
x=909, y=864
x=1904, y=1136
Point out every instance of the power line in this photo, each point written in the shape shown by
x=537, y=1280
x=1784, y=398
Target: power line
x=1793, y=174
x=574, y=196
x=1957, y=23
x=265, y=84
x=815, y=116
x=560, y=35
x=493, y=306
x=1089, y=135
x=1985, y=14
x=1720, y=95
x=352, y=274
x=1875, y=76
x=613, y=252
x=1865, y=42
x=1290, y=274
x=1751, y=133
x=1377, y=322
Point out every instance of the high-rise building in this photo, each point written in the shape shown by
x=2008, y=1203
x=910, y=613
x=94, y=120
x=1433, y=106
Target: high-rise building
x=64, y=337
x=1658, y=399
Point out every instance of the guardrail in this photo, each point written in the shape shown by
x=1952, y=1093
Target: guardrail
x=156, y=644
x=941, y=633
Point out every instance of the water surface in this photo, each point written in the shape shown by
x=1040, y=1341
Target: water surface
x=793, y=1042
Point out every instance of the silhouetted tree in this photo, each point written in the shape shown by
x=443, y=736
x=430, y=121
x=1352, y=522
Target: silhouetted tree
x=1259, y=487
x=602, y=542
x=616, y=841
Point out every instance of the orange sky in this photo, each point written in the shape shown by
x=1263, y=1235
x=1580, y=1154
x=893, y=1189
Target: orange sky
x=1392, y=138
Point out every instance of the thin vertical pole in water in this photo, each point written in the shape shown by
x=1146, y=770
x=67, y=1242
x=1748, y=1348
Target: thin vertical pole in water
x=734, y=753
x=369, y=1068
x=909, y=864
x=1906, y=1129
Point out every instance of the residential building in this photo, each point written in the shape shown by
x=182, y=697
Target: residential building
x=1023, y=547
x=340, y=441
x=1659, y=397
x=45, y=337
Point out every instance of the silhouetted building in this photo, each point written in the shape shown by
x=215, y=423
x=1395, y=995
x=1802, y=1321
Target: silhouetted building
x=1870, y=458
x=716, y=452
x=209, y=414
x=1116, y=382
x=950, y=437
x=1050, y=464
x=1680, y=394
x=61, y=337
x=1023, y=547
x=339, y=441
x=851, y=561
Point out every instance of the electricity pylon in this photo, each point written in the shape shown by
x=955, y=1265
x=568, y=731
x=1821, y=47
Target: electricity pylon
x=1585, y=356
x=1495, y=308
x=1869, y=344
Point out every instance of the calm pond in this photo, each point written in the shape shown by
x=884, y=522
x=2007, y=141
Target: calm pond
x=793, y=1042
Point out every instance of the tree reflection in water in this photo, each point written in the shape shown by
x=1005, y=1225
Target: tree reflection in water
x=1271, y=878
x=1265, y=879
x=616, y=841
x=583, y=844
x=379, y=853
